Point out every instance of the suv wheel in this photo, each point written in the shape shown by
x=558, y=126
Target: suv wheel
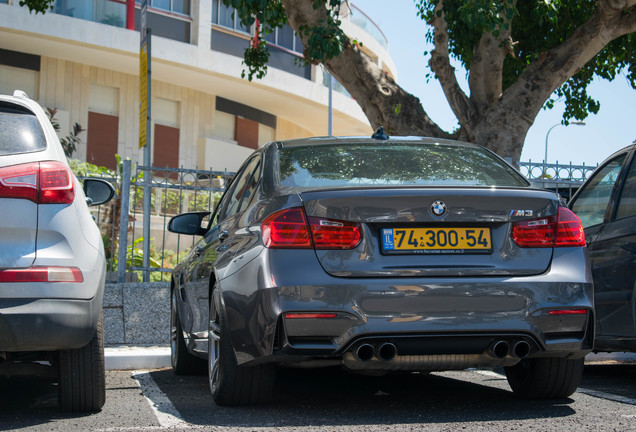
x=82, y=385
x=545, y=378
x=230, y=383
x=183, y=363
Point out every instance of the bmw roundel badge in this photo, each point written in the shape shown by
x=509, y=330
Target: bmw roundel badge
x=438, y=208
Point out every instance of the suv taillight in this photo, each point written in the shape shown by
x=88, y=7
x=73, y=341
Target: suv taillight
x=47, y=182
x=290, y=228
x=42, y=274
x=564, y=229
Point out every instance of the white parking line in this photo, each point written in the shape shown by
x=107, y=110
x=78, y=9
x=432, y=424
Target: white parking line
x=167, y=415
x=589, y=392
x=488, y=373
x=608, y=396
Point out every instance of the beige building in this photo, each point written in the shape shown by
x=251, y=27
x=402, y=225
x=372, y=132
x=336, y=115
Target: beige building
x=82, y=60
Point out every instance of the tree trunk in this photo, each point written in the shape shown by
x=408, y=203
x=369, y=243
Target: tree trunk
x=383, y=101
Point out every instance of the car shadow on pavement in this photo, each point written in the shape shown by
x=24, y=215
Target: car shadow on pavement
x=29, y=401
x=331, y=396
x=618, y=379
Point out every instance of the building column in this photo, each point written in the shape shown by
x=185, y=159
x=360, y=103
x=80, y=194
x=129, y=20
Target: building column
x=202, y=23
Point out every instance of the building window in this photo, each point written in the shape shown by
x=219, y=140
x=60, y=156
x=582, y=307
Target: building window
x=101, y=139
x=285, y=37
x=246, y=132
x=247, y=126
x=227, y=17
x=335, y=84
x=19, y=71
x=166, y=133
x=13, y=78
x=224, y=125
x=265, y=134
x=166, y=146
x=103, y=126
x=176, y=6
x=109, y=12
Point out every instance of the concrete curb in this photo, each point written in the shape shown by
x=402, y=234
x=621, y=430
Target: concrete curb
x=136, y=357
x=157, y=357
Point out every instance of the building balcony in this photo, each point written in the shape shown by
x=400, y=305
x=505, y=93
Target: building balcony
x=90, y=32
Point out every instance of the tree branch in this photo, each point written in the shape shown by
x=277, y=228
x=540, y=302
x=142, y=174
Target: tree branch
x=617, y=5
x=445, y=73
x=383, y=101
x=486, y=66
x=627, y=22
x=554, y=67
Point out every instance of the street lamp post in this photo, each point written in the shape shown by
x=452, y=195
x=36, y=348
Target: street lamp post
x=545, y=159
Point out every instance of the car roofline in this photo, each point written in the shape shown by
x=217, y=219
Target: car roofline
x=329, y=140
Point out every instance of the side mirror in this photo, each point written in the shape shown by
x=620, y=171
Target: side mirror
x=98, y=191
x=188, y=223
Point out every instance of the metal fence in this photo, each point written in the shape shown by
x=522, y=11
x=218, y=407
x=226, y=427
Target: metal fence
x=135, y=256
x=563, y=179
x=136, y=253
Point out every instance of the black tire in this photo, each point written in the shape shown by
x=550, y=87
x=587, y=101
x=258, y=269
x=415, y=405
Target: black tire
x=545, y=378
x=231, y=384
x=183, y=362
x=81, y=374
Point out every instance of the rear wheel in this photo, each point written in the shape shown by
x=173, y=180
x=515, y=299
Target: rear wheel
x=230, y=383
x=183, y=363
x=82, y=385
x=545, y=378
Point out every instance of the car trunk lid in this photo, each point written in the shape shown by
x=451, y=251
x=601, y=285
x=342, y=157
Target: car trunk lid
x=477, y=220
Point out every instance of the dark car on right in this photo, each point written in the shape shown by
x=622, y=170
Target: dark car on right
x=606, y=205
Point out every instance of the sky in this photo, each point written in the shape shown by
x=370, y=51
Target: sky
x=613, y=128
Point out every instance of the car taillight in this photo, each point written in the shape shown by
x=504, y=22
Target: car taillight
x=41, y=182
x=570, y=229
x=286, y=229
x=56, y=183
x=564, y=229
x=42, y=274
x=290, y=228
x=334, y=234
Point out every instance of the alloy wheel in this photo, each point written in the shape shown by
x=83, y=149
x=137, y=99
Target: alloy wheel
x=214, y=337
x=173, y=329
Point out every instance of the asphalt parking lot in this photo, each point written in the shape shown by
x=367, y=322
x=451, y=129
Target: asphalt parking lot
x=332, y=400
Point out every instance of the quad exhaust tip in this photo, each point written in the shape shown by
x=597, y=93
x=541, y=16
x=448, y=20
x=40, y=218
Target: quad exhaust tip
x=364, y=352
x=387, y=351
x=500, y=349
x=521, y=349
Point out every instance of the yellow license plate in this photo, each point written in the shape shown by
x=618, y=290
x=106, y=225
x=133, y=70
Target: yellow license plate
x=436, y=240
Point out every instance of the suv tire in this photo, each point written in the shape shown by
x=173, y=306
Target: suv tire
x=82, y=382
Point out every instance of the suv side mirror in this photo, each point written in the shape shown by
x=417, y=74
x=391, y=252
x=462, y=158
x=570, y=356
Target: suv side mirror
x=98, y=191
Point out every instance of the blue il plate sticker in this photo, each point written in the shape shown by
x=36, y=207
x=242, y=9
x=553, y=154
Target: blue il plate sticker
x=387, y=239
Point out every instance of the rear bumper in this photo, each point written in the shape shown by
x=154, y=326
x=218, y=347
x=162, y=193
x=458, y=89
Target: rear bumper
x=435, y=323
x=47, y=324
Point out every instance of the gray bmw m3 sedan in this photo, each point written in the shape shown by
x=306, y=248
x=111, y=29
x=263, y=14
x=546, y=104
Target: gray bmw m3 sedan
x=393, y=254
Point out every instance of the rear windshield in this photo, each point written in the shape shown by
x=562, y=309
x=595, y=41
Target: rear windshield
x=20, y=132
x=346, y=165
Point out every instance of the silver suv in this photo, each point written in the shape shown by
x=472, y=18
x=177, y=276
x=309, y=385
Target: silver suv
x=52, y=265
